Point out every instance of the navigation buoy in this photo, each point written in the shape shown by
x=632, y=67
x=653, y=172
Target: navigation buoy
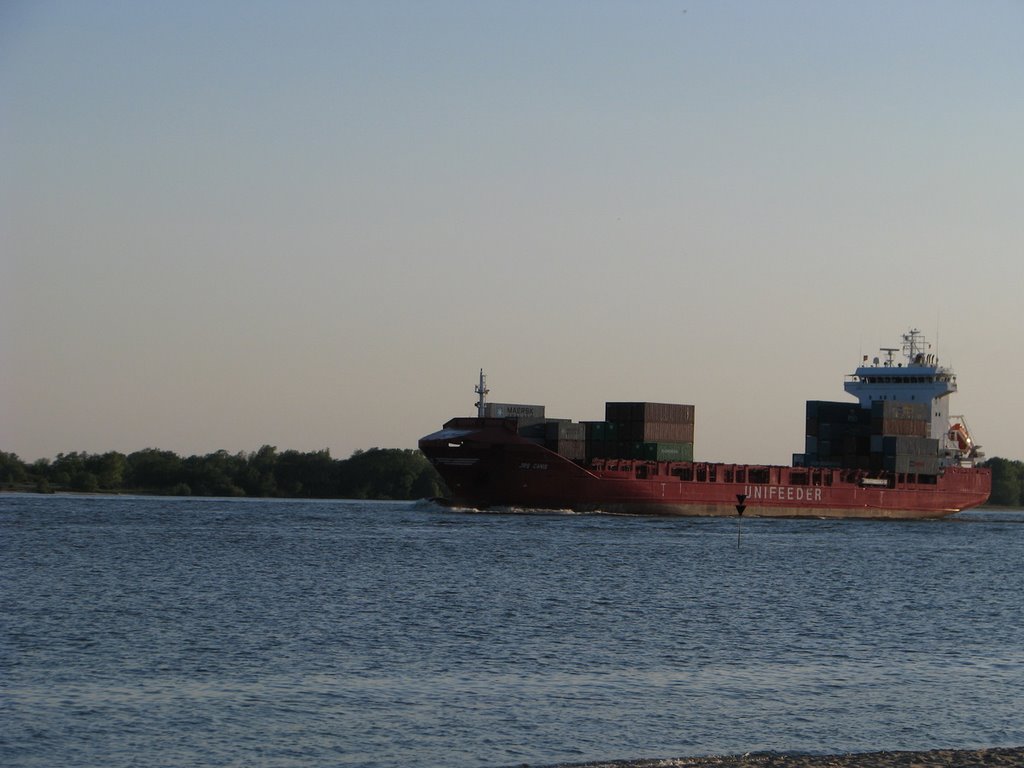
x=740, y=497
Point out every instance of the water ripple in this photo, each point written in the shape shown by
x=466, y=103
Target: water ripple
x=228, y=632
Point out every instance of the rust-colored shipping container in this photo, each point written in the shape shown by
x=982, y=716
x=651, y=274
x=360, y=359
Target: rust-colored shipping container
x=646, y=412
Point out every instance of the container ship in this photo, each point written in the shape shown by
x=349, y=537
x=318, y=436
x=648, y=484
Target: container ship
x=895, y=453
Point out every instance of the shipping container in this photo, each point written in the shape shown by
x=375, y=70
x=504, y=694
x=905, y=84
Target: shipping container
x=656, y=431
x=559, y=429
x=836, y=430
x=620, y=449
x=854, y=445
x=896, y=409
x=905, y=427
x=837, y=412
x=617, y=412
x=674, y=413
x=833, y=430
x=860, y=461
x=575, y=450
x=663, y=451
x=909, y=446
x=821, y=461
x=514, y=410
x=533, y=430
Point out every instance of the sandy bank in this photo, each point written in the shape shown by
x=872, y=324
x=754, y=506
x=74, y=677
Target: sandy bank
x=1010, y=757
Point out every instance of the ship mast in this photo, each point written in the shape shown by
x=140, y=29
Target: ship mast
x=914, y=347
x=482, y=390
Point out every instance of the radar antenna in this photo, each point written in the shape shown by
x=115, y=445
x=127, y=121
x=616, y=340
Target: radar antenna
x=889, y=352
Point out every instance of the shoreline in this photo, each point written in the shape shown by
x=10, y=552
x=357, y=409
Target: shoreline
x=997, y=757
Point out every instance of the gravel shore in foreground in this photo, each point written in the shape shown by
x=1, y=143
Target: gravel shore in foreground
x=1009, y=757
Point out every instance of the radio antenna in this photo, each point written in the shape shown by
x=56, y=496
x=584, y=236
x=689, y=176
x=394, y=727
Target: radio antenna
x=482, y=390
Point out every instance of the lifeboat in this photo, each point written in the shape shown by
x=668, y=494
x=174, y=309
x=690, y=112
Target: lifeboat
x=958, y=434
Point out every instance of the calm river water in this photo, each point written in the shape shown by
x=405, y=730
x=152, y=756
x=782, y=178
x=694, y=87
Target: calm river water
x=173, y=632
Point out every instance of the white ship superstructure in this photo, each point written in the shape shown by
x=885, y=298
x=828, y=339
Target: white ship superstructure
x=916, y=378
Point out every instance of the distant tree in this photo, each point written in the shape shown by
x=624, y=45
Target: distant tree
x=109, y=469
x=66, y=466
x=214, y=474
x=40, y=469
x=288, y=474
x=428, y=484
x=1007, y=482
x=260, y=477
x=307, y=475
x=68, y=462
x=151, y=469
x=388, y=474
x=321, y=475
x=12, y=469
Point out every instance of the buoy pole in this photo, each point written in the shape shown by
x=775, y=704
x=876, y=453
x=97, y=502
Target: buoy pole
x=740, y=507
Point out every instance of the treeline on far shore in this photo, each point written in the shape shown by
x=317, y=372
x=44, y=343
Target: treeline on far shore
x=373, y=474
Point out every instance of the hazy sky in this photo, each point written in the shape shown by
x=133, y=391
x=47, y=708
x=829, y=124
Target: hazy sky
x=310, y=224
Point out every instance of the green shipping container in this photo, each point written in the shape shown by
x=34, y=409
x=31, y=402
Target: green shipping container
x=663, y=451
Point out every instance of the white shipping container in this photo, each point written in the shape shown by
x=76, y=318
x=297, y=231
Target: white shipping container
x=513, y=411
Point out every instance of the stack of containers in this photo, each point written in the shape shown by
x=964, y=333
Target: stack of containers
x=837, y=434
x=651, y=431
x=566, y=438
x=891, y=435
x=910, y=455
x=602, y=439
x=900, y=441
x=889, y=417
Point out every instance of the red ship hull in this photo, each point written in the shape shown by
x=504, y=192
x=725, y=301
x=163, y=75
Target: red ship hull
x=486, y=463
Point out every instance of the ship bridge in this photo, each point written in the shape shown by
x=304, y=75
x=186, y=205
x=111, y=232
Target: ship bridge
x=914, y=377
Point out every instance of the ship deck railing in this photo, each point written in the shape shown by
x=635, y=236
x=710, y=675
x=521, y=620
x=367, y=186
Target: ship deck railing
x=754, y=474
